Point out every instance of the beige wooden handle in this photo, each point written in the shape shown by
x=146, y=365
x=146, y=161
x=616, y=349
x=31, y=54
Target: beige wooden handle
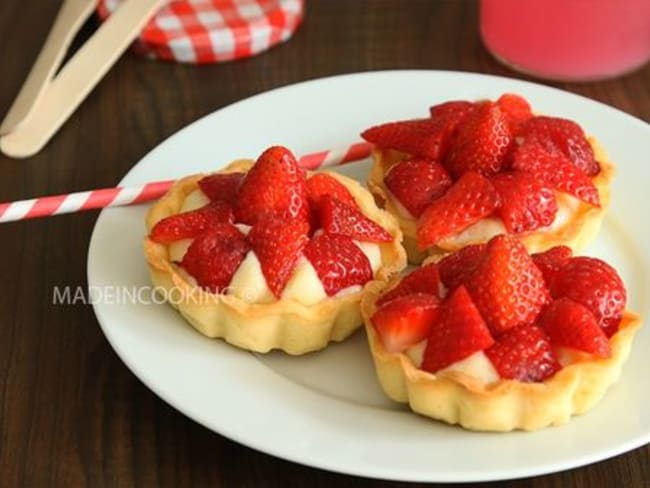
x=78, y=77
x=68, y=21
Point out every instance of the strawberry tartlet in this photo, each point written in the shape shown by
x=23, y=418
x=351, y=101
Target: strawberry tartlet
x=473, y=170
x=267, y=256
x=495, y=339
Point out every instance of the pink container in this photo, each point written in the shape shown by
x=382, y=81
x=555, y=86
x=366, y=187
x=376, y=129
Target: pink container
x=569, y=40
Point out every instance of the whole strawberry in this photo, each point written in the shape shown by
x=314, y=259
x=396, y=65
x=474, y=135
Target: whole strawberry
x=274, y=185
x=596, y=285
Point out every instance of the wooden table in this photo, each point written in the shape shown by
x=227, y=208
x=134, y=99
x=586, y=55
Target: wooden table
x=71, y=412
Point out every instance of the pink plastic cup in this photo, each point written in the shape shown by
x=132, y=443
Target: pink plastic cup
x=568, y=40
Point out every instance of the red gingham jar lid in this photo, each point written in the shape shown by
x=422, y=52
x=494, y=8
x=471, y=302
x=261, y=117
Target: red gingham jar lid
x=212, y=31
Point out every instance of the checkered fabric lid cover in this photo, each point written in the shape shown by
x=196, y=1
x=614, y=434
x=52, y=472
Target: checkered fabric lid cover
x=213, y=31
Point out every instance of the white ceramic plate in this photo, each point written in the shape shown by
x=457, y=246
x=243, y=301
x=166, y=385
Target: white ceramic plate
x=326, y=409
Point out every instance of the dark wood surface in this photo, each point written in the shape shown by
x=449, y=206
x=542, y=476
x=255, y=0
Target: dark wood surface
x=71, y=413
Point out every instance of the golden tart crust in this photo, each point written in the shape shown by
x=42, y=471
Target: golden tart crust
x=576, y=233
x=284, y=324
x=504, y=405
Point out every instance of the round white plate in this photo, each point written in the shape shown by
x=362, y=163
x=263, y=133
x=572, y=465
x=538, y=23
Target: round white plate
x=326, y=409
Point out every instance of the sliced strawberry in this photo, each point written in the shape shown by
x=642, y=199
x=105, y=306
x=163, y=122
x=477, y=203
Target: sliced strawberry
x=405, y=321
x=460, y=331
x=222, y=186
x=457, y=267
x=562, y=136
x=278, y=244
x=523, y=353
x=214, y=256
x=525, y=203
x=454, y=109
x=337, y=217
x=323, y=184
x=506, y=286
x=596, y=285
x=274, y=185
x=482, y=142
x=338, y=261
x=470, y=199
x=190, y=224
x=423, y=280
x=517, y=112
x=551, y=261
x=427, y=138
x=570, y=324
x=556, y=171
x=416, y=183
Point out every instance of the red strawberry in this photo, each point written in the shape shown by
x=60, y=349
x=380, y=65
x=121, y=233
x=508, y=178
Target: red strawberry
x=323, y=184
x=337, y=217
x=525, y=203
x=214, y=256
x=523, y=353
x=561, y=136
x=457, y=267
x=405, y=321
x=551, y=261
x=482, y=142
x=470, y=199
x=454, y=109
x=596, y=285
x=278, y=244
x=506, y=286
x=427, y=138
x=222, y=186
x=416, y=183
x=190, y=224
x=517, y=112
x=274, y=185
x=556, y=171
x=570, y=324
x=423, y=280
x=338, y=262
x=459, y=332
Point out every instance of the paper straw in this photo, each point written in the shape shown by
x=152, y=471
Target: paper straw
x=131, y=195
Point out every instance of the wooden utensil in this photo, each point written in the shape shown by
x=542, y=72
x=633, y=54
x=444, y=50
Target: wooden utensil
x=43, y=107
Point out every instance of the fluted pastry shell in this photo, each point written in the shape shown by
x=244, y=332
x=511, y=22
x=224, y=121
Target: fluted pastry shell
x=504, y=405
x=577, y=232
x=284, y=324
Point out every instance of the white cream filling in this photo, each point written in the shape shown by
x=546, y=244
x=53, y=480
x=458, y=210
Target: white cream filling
x=248, y=282
x=177, y=249
x=372, y=252
x=194, y=200
x=567, y=355
x=304, y=286
x=476, y=365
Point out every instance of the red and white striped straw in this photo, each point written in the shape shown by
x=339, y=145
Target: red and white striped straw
x=131, y=195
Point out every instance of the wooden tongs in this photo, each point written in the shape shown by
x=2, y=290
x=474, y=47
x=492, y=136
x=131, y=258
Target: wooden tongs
x=46, y=101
